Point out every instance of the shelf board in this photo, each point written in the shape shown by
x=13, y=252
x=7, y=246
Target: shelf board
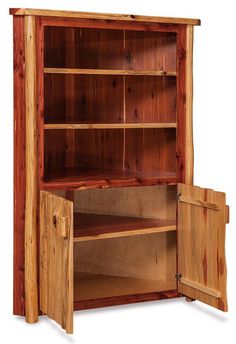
x=98, y=226
x=108, y=125
x=75, y=179
x=96, y=286
x=108, y=71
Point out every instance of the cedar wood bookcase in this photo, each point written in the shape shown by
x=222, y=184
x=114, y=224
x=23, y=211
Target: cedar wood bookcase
x=105, y=211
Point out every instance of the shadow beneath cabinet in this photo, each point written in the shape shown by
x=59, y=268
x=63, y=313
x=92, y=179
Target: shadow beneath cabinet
x=124, y=307
x=207, y=310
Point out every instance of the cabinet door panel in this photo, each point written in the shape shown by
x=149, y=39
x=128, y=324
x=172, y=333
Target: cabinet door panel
x=56, y=259
x=201, y=245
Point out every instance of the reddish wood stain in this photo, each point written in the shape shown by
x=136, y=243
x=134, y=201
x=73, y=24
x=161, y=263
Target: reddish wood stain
x=204, y=265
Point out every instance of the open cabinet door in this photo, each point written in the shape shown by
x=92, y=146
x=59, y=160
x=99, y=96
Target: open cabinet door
x=56, y=259
x=202, y=216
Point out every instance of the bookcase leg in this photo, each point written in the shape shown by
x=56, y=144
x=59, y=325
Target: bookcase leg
x=189, y=299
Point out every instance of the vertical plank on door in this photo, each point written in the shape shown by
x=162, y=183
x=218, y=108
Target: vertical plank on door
x=56, y=259
x=201, y=245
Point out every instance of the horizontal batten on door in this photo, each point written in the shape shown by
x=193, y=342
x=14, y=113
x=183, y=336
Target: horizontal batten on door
x=198, y=203
x=200, y=287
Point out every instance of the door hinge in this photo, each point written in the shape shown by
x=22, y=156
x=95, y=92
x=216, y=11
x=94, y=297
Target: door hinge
x=178, y=277
x=178, y=196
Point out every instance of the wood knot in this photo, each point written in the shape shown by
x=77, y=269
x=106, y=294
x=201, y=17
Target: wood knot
x=54, y=219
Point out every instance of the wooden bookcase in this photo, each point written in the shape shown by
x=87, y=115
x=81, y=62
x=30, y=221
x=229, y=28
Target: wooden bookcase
x=105, y=209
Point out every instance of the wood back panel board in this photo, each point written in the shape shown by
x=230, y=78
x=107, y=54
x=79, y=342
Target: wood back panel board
x=56, y=259
x=112, y=49
x=110, y=99
x=131, y=150
x=151, y=257
x=155, y=202
x=201, y=245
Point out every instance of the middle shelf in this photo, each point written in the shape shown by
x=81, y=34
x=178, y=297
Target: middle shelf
x=98, y=226
x=77, y=178
x=108, y=125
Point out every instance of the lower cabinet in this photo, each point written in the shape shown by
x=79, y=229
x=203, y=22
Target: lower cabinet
x=123, y=245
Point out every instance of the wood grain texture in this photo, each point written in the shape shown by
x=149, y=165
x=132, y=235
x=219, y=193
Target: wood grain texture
x=115, y=52
x=189, y=152
x=56, y=259
x=79, y=179
x=108, y=125
x=31, y=287
x=145, y=152
x=227, y=214
x=108, y=72
x=94, y=286
x=104, y=24
x=103, y=99
x=201, y=246
x=40, y=104
x=19, y=166
x=70, y=57
x=150, y=150
x=198, y=202
x=181, y=105
x=154, y=51
x=150, y=257
x=97, y=226
x=125, y=299
x=152, y=202
x=150, y=99
x=99, y=99
x=205, y=290
x=105, y=16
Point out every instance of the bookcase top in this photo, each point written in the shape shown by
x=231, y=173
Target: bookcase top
x=103, y=16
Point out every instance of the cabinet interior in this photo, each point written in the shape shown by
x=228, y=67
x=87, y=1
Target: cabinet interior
x=124, y=241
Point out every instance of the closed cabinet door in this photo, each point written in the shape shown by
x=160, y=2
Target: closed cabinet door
x=56, y=259
x=202, y=217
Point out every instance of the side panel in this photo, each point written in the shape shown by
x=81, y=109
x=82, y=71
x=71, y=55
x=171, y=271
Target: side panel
x=56, y=259
x=201, y=245
x=19, y=166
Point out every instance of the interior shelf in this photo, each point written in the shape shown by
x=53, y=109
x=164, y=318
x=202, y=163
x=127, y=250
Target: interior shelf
x=98, y=226
x=74, y=178
x=108, y=125
x=89, y=286
x=108, y=71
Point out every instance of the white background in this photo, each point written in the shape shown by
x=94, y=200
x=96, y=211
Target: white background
x=215, y=142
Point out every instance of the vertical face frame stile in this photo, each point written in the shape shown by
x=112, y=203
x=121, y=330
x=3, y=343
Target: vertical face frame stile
x=40, y=22
x=31, y=266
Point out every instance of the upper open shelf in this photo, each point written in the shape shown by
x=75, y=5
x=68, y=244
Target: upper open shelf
x=110, y=52
x=98, y=226
x=102, y=79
